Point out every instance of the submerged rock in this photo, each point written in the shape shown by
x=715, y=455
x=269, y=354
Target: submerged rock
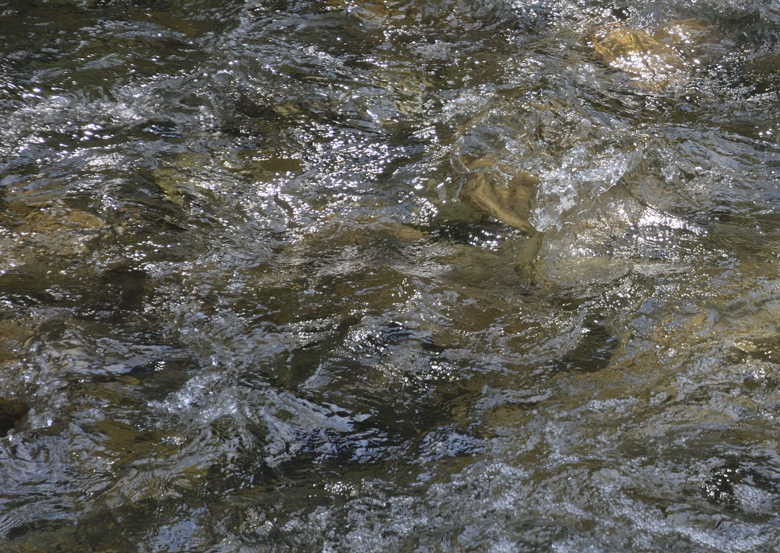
x=510, y=201
x=11, y=412
x=666, y=55
x=56, y=221
x=655, y=59
x=13, y=335
x=637, y=52
x=29, y=231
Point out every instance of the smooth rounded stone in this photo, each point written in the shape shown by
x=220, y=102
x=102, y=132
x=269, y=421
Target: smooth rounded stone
x=56, y=220
x=511, y=202
x=666, y=55
x=62, y=230
x=638, y=53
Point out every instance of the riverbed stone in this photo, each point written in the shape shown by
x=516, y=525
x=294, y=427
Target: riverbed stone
x=663, y=56
x=655, y=59
x=509, y=199
x=62, y=230
x=13, y=335
x=11, y=412
x=638, y=53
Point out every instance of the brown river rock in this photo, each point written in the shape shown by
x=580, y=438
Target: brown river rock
x=510, y=202
x=664, y=56
x=637, y=52
x=11, y=411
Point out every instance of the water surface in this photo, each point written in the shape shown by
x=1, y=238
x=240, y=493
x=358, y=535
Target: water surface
x=244, y=306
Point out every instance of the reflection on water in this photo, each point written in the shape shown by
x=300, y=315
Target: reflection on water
x=464, y=275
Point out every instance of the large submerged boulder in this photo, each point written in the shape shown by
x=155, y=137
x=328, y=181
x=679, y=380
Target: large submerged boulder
x=637, y=52
x=653, y=59
x=663, y=56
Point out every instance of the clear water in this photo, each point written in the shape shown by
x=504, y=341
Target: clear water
x=244, y=308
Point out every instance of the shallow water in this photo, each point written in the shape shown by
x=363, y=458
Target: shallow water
x=245, y=308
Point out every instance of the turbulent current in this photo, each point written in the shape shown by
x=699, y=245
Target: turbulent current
x=389, y=276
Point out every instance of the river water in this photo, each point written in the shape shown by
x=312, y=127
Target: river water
x=248, y=303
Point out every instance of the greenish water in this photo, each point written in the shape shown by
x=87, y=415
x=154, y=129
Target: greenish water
x=248, y=303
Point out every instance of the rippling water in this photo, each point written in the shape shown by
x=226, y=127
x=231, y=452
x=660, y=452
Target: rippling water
x=248, y=304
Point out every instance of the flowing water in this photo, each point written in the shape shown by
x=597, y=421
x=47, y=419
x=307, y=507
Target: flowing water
x=253, y=297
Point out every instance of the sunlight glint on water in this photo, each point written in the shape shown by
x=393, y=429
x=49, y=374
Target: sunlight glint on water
x=369, y=276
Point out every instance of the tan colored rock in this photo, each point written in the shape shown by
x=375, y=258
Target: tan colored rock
x=182, y=178
x=510, y=202
x=636, y=52
x=57, y=220
x=61, y=230
x=666, y=55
